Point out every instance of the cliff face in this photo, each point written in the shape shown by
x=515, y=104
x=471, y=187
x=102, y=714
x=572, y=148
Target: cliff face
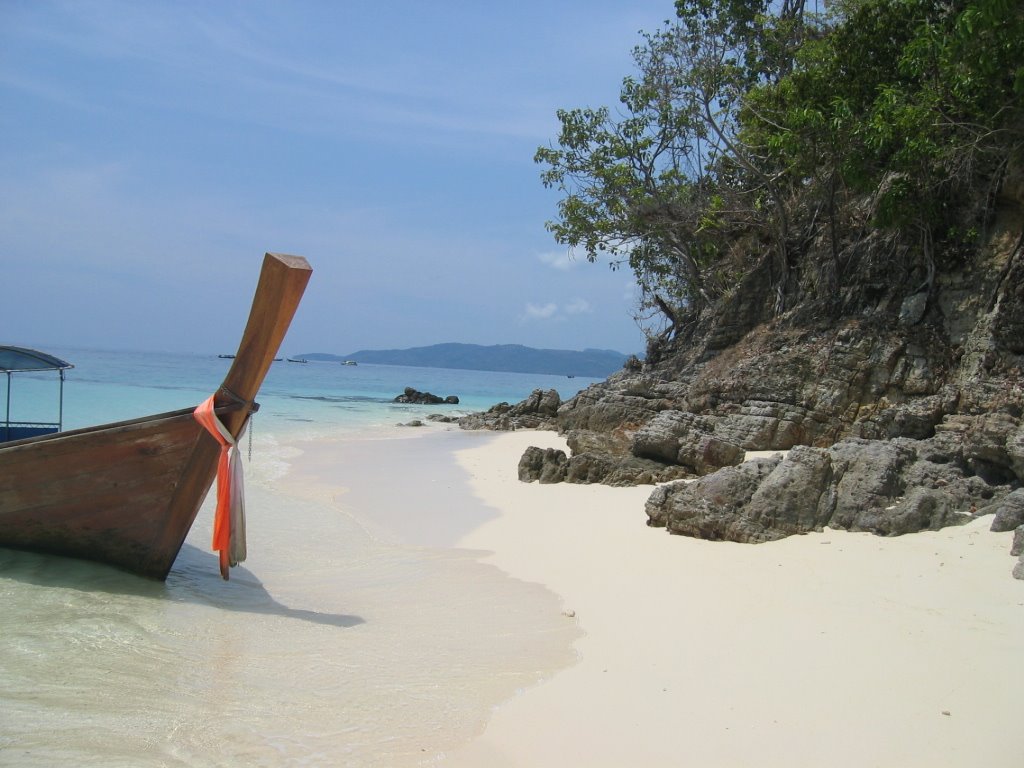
x=899, y=396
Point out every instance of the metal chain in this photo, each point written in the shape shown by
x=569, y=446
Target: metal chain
x=252, y=421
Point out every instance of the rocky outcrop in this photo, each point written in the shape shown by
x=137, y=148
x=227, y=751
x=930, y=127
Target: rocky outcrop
x=415, y=397
x=550, y=465
x=898, y=392
x=546, y=465
x=884, y=487
x=1009, y=513
x=685, y=439
x=538, y=411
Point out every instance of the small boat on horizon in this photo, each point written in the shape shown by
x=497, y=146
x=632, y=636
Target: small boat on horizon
x=127, y=493
x=349, y=362
x=297, y=360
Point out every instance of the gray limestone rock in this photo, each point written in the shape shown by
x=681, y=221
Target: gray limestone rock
x=867, y=479
x=1015, y=452
x=1018, y=541
x=548, y=465
x=678, y=437
x=855, y=484
x=709, y=507
x=922, y=509
x=788, y=500
x=538, y=411
x=912, y=309
x=1009, y=512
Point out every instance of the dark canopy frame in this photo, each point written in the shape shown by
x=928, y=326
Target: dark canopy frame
x=19, y=360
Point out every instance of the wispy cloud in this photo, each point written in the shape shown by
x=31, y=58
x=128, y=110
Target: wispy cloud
x=307, y=71
x=540, y=311
x=577, y=307
x=560, y=260
x=145, y=143
x=41, y=88
x=555, y=312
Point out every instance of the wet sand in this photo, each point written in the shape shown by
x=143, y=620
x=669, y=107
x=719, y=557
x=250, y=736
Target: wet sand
x=403, y=484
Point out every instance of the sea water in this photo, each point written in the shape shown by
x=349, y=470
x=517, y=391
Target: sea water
x=337, y=643
x=325, y=397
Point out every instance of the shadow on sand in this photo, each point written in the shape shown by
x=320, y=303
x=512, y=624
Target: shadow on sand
x=195, y=578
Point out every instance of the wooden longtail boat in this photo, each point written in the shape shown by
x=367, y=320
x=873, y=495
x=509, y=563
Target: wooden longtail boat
x=127, y=493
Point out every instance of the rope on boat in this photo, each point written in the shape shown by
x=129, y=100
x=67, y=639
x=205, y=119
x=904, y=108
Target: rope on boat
x=252, y=405
x=229, y=520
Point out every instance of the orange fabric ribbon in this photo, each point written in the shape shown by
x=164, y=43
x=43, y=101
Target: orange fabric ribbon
x=229, y=519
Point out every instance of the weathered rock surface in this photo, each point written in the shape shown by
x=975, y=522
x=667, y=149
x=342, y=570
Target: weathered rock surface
x=1017, y=548
x=897, y=391
x=1009, y=512
x=546, y=465
x=415, y=397
x=709, y=508
x=538, y=411
x=678, y=437
x=549, y=465
x=888, y=488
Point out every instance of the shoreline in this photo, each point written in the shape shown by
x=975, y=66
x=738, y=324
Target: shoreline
x=833, y=648
x=377, y=476
x=450, y=636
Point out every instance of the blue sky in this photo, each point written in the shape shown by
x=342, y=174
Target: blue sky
x=150, y=153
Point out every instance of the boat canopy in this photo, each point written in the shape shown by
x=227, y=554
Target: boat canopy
x=15, y=359
x=21, y=360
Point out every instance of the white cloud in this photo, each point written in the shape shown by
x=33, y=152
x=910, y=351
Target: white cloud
x=560, y=260
x=577, y=307
x=541, y=312
x=555, y=312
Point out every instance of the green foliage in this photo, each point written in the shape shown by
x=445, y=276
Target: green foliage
x=743, y=115
x=657, y=185
x=912, y=100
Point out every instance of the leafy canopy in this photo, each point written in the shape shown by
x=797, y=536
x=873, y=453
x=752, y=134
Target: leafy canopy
x=745, y=119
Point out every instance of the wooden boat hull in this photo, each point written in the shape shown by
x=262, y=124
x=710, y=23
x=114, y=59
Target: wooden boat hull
x=108, y=493
x=127, y=493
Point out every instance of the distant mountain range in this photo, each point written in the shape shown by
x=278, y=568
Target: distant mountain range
x=595, y=363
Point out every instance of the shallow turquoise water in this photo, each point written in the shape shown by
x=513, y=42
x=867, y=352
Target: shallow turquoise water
x=313, y=398
x=335, y=644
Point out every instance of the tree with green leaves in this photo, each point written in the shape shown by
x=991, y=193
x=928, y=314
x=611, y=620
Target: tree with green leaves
x=664, y=183
x=749, y=123
x=914, y=104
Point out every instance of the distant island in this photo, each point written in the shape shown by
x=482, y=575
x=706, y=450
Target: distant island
x=512, y=358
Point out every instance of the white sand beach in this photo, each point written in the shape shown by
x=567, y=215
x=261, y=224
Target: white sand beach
x=645, y=649
x=407, y=602
x=831, y=649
